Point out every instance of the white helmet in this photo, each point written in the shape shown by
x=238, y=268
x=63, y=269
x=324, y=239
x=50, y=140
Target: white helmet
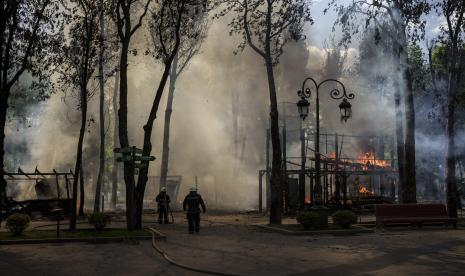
x=163, y=189
x=193, y=189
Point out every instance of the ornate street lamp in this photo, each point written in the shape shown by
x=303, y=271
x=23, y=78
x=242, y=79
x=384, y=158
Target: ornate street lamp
x=303, y=106
x=346, y=110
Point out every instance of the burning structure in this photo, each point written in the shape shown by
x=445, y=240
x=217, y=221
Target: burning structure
x=355, y=170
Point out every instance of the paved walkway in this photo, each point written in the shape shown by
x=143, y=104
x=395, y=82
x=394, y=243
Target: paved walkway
x=230, y=243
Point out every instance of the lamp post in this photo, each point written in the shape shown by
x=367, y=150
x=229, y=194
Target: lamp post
x=304, y=106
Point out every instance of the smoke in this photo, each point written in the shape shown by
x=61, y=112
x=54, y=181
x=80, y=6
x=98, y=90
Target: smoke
x=217, y=90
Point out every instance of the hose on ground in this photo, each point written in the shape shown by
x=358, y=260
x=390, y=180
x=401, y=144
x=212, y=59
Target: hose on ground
x=183, y=266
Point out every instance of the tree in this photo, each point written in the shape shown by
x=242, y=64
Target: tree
x=336, y=56
x=266, y=27
x=405, y=25
x=30, y=35
x=123, y=12
x=114, y=168
x=170, y=20
x=191, y=41
x=453, y=39
x=79, y=64
x=101, y=169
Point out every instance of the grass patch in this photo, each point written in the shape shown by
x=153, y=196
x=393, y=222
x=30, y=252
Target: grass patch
x=51, y=234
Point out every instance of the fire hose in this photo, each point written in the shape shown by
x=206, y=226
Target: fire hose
x=183, y=266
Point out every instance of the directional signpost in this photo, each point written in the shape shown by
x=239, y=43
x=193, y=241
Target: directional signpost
x=134, y=155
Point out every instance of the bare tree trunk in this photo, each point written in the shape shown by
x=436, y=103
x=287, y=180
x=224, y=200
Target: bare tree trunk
x=114, y=170
x=409, y=191
x=451, y=179
x=98, y=189
x=166, y=130
x=82, y=193
x=399, y=140
x=276, y=176
x=124, y=139
x=147, y=149
x=3, y=112
x=78, y=166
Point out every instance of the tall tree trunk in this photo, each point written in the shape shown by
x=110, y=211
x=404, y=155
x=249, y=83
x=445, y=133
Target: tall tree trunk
x=451, y=179
x=114, y=170
x=123, y=136
x=3, y=113
x=98, y=189
x=78, y=166
x=147, y=149
x=276, y=174
x=82, y=193
x=409, y=191
x=399, y=140
x=276, y=180
x=166, y=130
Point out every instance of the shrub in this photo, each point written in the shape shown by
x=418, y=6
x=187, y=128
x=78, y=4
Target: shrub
x=344, y=218
x=16, y=223
x=308, y=219
x=99, y=220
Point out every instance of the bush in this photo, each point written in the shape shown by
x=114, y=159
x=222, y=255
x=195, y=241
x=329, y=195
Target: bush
x=99, y=220
x=313, y=219
x=344, y=218
x=16, y=223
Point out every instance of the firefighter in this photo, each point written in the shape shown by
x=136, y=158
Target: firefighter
x=163, y=201
x=192, y=203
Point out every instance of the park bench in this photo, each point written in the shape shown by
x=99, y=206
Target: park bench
x=412, y=214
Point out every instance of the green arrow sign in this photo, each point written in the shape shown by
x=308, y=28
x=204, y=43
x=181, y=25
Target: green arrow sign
x=136, y=150
x=126, y=158
x=144, y=158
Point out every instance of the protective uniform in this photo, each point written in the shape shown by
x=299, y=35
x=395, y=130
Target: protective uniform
x=163, y=201
x=192, y=204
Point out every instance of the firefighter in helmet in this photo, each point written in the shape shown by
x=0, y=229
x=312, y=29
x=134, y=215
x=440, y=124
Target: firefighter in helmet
x=163, y=201
x=192, y=203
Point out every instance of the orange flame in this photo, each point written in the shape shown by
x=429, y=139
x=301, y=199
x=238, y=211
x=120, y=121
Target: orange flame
x=368, y=160
x=364, y=190
x=308, y=200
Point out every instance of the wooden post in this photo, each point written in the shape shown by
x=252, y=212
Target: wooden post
x=268, y=187
x=392, y=150
x=284, y=153
x=67, y=184
x=344, y=188
x=57, y=184
x=260, y=190
x=312, y=177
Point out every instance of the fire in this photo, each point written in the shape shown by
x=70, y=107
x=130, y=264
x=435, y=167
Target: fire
x=364, y=190
x=308, y=200
x=368, y=160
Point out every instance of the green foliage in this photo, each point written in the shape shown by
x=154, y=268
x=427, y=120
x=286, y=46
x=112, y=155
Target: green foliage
x=312, y=219
x=16, y=223
x=99, y=220
x=284, y=20
x=344, y=218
